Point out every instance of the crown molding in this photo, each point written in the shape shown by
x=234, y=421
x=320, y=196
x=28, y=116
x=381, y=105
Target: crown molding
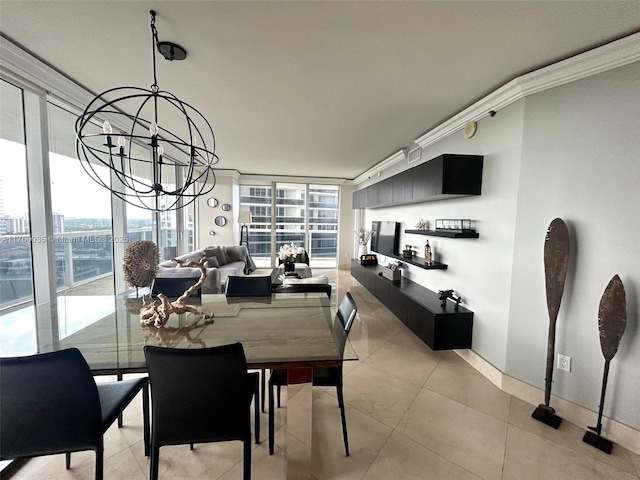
x=601, y=59
x=36, y=73
x=399, y=156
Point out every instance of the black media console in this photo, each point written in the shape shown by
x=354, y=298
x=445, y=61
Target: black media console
x=441, y=328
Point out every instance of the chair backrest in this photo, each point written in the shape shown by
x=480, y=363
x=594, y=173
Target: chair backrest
x=347, y=312
x=305, y=288
x=248, y=286
x=198, y=395
x=49, y=404
x=173, y=287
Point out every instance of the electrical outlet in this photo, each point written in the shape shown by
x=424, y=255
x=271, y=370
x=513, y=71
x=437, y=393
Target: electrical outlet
x=564, y=362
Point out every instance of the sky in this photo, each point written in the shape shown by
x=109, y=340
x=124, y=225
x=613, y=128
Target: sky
x=74, y=193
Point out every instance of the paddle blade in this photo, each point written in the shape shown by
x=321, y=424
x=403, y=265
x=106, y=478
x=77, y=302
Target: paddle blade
x=612, y=317
x=556, y=261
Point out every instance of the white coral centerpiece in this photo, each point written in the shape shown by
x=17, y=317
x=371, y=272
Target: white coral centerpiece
x=288, y=252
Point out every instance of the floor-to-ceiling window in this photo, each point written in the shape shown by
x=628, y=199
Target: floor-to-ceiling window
x=290, y=221
x=257, y=200
x=323, y=222
x=82, y=224
x=305, y=214
x=16, y=282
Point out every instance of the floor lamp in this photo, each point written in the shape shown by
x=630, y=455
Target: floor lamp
x=244, y=218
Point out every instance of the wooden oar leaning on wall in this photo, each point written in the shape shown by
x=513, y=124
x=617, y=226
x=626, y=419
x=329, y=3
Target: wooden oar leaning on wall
x=556, y=261
x=612, y=322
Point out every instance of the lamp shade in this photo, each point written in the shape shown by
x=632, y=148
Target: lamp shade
x=244, y=217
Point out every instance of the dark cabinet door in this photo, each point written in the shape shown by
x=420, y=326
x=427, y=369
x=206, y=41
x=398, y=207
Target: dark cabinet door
x=360, y=198
x=373, y=197
x=385, y=191
x=397, y=303
x=427, y=179
x=381, y=291
x=403, y=187
x=421, y=322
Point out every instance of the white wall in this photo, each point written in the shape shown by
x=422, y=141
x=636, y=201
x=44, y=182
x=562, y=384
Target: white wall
x=224, y=191
x=571, y=152
x=479, y=270
x=580, y=162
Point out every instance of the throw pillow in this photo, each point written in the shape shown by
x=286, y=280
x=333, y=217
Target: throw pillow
x=217, y=253
x=234, y=254
x=212, y=262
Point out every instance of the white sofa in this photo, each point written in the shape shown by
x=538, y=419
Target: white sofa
x=222, y=261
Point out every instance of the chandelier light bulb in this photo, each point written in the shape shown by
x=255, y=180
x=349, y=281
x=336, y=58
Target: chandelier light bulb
x=153, y=129
x=106, y=128
x=122, y=141
x=160, y=150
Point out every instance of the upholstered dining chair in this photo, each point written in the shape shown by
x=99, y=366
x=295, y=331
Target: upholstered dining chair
x=50, y=404
x=322, y=376
x=201, y=396
x=174, y=287
x=248, y=286
x=305, y=288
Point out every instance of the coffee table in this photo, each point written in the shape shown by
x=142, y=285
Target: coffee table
x=302, y=270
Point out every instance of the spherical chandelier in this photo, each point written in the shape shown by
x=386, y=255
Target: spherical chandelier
x=149, y=166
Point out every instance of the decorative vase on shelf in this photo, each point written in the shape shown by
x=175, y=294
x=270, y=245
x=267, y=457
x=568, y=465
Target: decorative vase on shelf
x=289, y=266
x=362, y=250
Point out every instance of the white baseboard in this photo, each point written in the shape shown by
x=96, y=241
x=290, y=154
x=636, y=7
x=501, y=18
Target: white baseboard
x=619, y=433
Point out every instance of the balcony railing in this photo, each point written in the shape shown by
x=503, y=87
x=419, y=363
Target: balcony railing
x=81, y=257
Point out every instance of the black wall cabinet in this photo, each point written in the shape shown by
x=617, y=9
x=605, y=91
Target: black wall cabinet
x=441, y=328
x=446, y=176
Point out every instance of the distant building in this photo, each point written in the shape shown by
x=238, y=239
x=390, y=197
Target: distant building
x=58, y=223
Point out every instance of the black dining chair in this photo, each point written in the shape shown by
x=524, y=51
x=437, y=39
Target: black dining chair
x=248, y=286
x=305, y=288
x=50, y=404
x=201, y=396
x=322, y=376
x=174, y=287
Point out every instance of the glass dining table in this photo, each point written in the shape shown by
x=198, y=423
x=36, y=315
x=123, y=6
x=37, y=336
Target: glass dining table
x=286, y=330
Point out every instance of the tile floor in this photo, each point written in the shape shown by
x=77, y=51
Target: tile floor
x=412, y=414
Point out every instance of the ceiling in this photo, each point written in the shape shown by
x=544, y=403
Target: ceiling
x=314, y=88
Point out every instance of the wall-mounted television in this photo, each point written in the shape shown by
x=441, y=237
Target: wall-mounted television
x=385, y=238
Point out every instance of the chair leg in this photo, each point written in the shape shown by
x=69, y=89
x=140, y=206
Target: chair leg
x=262, y=387
x=67, y=460
x=191, y=446
x=278, y=398
x=145, y=420
x=344, y=419
x=119, y=378
x=271, y=418
x=247, y=458
x=256, y=412
x=99, y=462
x=155, y=457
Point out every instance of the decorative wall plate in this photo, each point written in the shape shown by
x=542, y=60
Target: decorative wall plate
x=226, y=207
x=212, y=202
x=220, y=221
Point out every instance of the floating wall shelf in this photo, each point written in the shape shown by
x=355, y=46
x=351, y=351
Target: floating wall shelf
x=446, y=233
x=419, y=262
